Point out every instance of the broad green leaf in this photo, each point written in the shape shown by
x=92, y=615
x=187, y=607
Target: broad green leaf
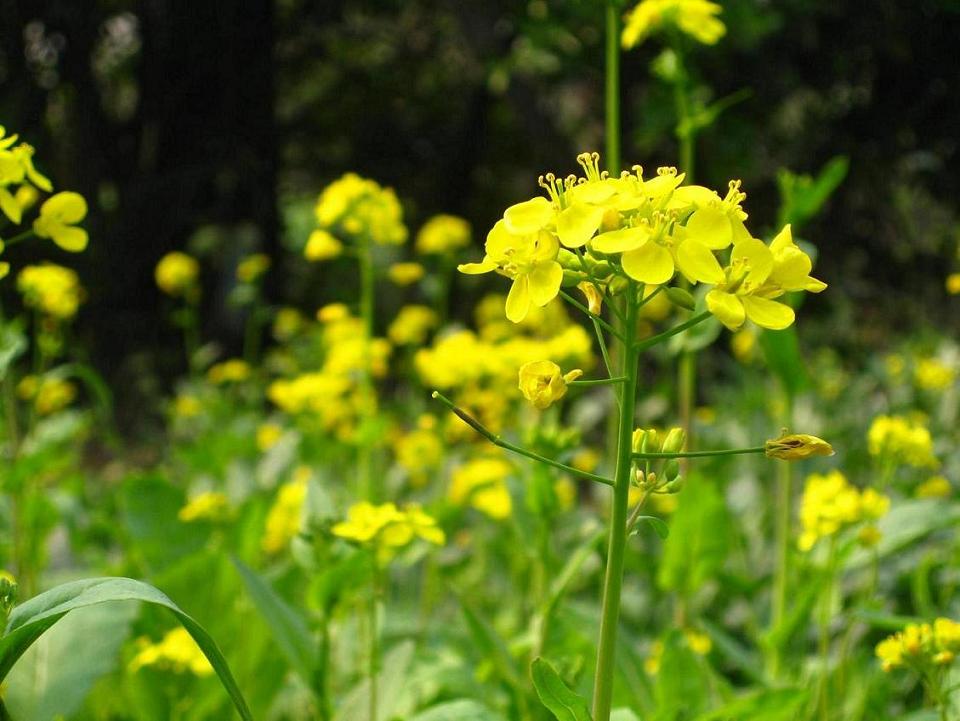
x=623, y=714
x=392, y=689
x=682, y=686
x=658, y=524
x=781, y=350
x=31, y=619
x=560, y=700
x=698, y=542
x=289, y=628
x=54, y=676
x=461, y=710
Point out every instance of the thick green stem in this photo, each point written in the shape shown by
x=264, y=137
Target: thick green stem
x=613, y=580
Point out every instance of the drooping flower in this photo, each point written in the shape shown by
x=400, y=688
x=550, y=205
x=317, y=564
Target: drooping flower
x=543, y=383
x=58, y=220
x=797, y=446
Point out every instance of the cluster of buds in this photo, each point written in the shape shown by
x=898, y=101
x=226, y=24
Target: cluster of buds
x=668, y=479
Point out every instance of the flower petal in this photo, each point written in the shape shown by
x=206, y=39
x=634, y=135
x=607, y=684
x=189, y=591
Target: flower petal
x=528, y=217
x=518, y=299
x=544, y=283
x=698, y=263
x=484, y=266
x=726, y=308
x=768, y=313
x=577, y=224
x=71, y=239
x=758, y=258
x=620, y=241
x=711, y=227
x=650, y=263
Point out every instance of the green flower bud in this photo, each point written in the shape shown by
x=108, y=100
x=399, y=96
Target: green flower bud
x=676, y=485
x=617, y=285
x=568, y=260
x=674, y=441
x=681, y=297
x=571, y=278
x=671, y=470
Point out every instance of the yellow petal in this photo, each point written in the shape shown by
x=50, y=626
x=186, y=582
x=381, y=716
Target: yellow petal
x=768, y=313
x=518, y=299
x=697, y=262
x=758, y=258
x=544, y=283
x=528, y=217
x=650, y=263
x=546, y=246
x=711, y=227
x=484, y=266
x=577, y=224
x=727, y=308
x=71, y=239
x=620, y=241
x=783, y=240
x=10, y=207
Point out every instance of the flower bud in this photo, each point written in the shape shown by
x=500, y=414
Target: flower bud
x=572, y=278
x=676, y=485
x=674, y=441
x=651, y=442
x=594, y=299
x=797, y=446
x=671, y=470
x=617, y=285
x=681, y=297
x=568, y=260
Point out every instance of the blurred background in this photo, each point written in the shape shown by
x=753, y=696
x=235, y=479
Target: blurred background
x=212, y=126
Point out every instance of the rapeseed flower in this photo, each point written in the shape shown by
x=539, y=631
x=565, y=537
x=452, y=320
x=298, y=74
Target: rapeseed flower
x=921, y=645
x=49, y=393
x=443, y=234
x=176, y=651
x=901, y=440
x=412, y=325
x=420, y=451
x=482, y=484
x=58, y=220
x=405, y=273
x=268, y=435
x=322, y=245
x=286, y=515
x=206, y=506
x=234, y=370
x=543, y=383
x=797, y=446
x=176, y=275
x=386, y=528
x=933, y=374
x=51, y=289
x=362, y=209
x=830, y=504
x=934, y=487
x=252, y=267
x=696, y=18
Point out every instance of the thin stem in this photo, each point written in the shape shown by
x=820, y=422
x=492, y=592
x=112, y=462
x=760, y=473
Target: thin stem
x=635, y=515
x=660, y=337
x=781, y=572
x=593, y=316
x=613, y=579
x=374, y=665
x=19, y=238
x=500, y=442
x=654, y=294
x=703, y=454
x=598, y=382
x=367, y=309
x=612, y=92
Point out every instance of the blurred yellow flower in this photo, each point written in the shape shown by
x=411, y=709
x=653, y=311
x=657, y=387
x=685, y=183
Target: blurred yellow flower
x=363, y=209
x=933, y=374
x=743, y=344
x=252, y=267
x=387, y=528
x=419, y=452
x=287, y=323
x=233, y=370
x=176, y=275
x=953, y=283
x=51, y=289
x=176, y=651
x=322, y=245
x=920, y=645
x=830, y=504
x=412, y=325
x=934, y=487
x=49, y=393
x=58, y=218
x=482, y=483
x=902, y=441
x=696, y=18
x=267, y=436
x=333, y=312
x=286, y=514
x=405, y=273
x=206, y=506
x=443, y=234
x=186, y=406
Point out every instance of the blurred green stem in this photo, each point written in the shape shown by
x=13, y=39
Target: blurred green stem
x=367, y=396
x=781, y=571
x=613, y=580
x=374, y=665
x=823, y=624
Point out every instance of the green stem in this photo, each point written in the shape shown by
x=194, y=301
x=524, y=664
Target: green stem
x=19, y=238
x=498, y=441
x=598, y=382
x=612, y=88
x=661, y=337
x=367, y=309
x=593, y=316
x=704, y=454
x=823, y=635
x=374, y=666
x=613, y=580
x=781, y=572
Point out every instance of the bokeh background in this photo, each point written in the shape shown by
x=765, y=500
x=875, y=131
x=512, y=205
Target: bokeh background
x=212, y=125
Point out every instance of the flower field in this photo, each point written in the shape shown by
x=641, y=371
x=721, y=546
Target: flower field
x=581, y=437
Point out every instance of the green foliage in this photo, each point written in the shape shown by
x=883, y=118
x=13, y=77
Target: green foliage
x=564, y=703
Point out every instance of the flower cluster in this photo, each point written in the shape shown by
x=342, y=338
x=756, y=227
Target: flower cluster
x=610, y=231
x=176, y=651
x=921, y=645
x=420, y=451
x=51, y=289
x=901, y=440
x=286, y=514
x=696, y=18
x=443, y=234
x=387, y=528
x=361, y=209
x=206, y=506
x=49, y=393
x=482, y=483
x=830, y=503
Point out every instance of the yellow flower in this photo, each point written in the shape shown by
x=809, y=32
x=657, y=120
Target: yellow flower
x=796, y=447
x=176, y=651
x=405, y=273
x=933, y=374
x=285, y=516
x=176, y=275
x=743, y=343
x=919, y=645
x=333, y=312
x=58, y=218
x=186, y=406
x=443, y=234
x=363, y=209
x=54, y=394
x=419, y=452
x=206, y=506
x=234, y=370
x=267, y=436
x=482, y=483
x=387, y=528
x=322, y=245
x=252, y=267
x=696, y=18
x=894, y=364
x=530, y=259
x=51, y=289
x=934, y=487
x=830, y=504
x=287, y=323
x=953, y=283
x=412, y=324
x=543, y=383
x=901, y=440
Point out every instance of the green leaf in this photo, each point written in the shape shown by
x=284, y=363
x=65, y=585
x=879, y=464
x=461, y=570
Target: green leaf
x=288, y=627
x=31, y=619
x=560, y=700
x=734, y=651
x=682, y=686
x=802, y=197
x=905, y=523
x=623, y=714
x=492, y=646
x=698, y=543
x=658, y=524
x=13, y=343
x=393, y=689
x=54, y=676
x=460, y=710
x=781, y=350
x=772, y=705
